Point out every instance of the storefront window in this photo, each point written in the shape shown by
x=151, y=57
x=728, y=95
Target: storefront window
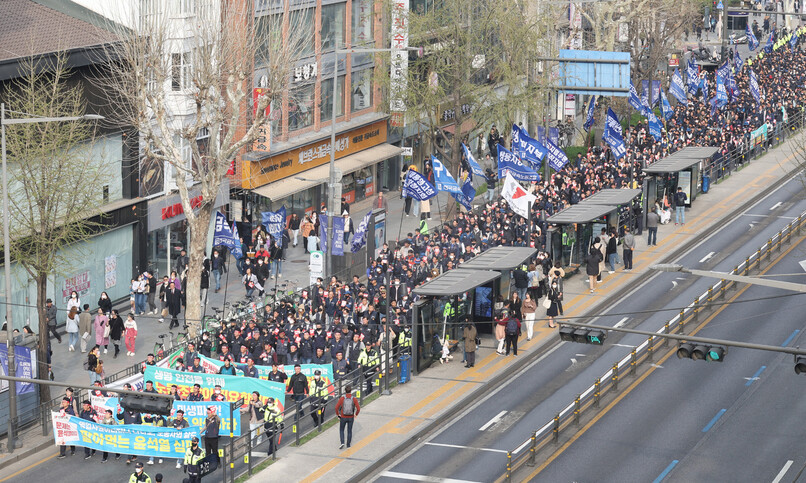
x=362, y=21
x=348, y=187
x=333, y=27
x=164, y=246
x=302, y=25
x=361, y=90
x=327, y=99
x=364, y=184
x=269, y=34
x=300, y=108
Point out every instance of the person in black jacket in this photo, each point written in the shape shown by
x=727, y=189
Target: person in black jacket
x=298, y=388
x=116, y=330
x=173, y=299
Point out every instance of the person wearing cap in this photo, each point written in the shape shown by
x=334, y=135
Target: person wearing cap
x=273, y=418
x=210, y=432
x=139, y=476
x=349, y=229
x=193, y=457
x=319, y=394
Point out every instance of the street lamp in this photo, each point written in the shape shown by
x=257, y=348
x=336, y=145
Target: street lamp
x=673, y=267
x=12, y=388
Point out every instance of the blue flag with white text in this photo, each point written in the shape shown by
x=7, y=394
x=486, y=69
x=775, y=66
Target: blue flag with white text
x=721, y=91
x=655, y=92
x=737, y=60
x=508, y=163
x=442, y=178
x=645, y=108
x=754, y=89
x=528, y=149
x=654, y=126
x=677, y=88
x=417, y=186
x=665, y=107
x=613, y=136
x=589, y=117
x=554, y=135
x=634, y=100
x=768, y=46
x=338, y=236
x=465, y=198
x=693, y=74
x=471, y=161
x=752, y=41
x=557, y=157
x=360, y=235
x=274, y=221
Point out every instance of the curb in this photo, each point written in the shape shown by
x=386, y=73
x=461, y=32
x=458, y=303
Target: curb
x=24, y=453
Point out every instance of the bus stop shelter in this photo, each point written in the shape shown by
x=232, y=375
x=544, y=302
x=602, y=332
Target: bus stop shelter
x=576, y=227
x=623, y=200
x=680, y=169
x=504, y=260
x=443, y=304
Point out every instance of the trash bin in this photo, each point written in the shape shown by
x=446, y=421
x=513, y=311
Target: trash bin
x=706, y=183
x=405, y=369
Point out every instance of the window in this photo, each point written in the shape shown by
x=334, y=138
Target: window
x=148, y=13
x=325, y=113
x=269, y=33
x=300, y=108
x=333, y=27
x=187, y=7
x=301, y=25
x=361, y=90
x=362, y=21
x=181, y=71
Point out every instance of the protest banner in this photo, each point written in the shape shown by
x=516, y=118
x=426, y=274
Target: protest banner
x=211, y=366
x=195, y=411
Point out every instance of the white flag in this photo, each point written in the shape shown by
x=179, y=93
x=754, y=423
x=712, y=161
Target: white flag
x=517, y=197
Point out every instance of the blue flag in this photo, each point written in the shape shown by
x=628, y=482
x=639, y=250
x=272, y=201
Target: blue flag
x=713, y=103
x=654, y=126
x=794, y=40
x=723, y=70
x=752, y=41
x=665, y=107
x=465, y=198
x=557, y=157
x=554, y=135
x=721, y=91
x=471, y=161
x=768, y=46
x=693, y=74
x=338, y=235
x=323, y=221
x=541, y=134
x=508, y=163
x=274, y=221
x=360, y=235
x=655, y=92
x=634, y=100
x=442, y=178
x=589, y=117
x=417, y=186
x=737, y=60
x=645, y=98
x=528, y=149
x=677, y=88
x=754, y=87
x=733, y=89
x=612, y=134
x=704, y=87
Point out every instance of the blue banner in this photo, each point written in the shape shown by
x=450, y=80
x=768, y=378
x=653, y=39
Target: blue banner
x=25, y=365
x=634, y=100
x=338, y=235
x=768, y=46
x=360, y=235
x=468, y=194
x=442, y=178
x=645, y=95
x=677, y=88
x=274, y=221
x=417, y=186
x=541, y=134
x=721, y=91
x=516, y=140
x=612, y=134
x=704, y=87
x=693, y=75
x=508, y=163
x=129, y=439
x=752, y=41
x=529, y=150
x=557, y=157
x=794, y=40
x=754, y=87
x=223, y=236
x=323, y=221
x=471, y=161
x=733, y=89
x=655, y=92
x=665, y=107
x=723, y=71
x=554, y=135
x=654, y=126
x=589, y=118
x=737, y=60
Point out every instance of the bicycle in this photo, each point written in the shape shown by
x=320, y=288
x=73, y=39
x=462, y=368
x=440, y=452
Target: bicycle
x=160, y=349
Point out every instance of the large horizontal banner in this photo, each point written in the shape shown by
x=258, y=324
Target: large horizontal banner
x=195, y=411
x=232, y=387
x=211, y=366
x=132, y=439
x=25, y=364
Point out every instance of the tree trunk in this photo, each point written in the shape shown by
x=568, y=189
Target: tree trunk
x=42, y=346
x=198, y=241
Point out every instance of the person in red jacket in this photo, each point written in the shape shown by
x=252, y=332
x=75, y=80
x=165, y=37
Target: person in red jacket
x=347, y=409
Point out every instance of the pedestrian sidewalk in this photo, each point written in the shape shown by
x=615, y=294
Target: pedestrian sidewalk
x=443, y=390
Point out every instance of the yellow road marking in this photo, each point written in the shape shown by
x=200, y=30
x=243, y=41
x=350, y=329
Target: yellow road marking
x=29, y=467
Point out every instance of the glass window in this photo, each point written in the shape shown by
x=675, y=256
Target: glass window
x=333, y=27
x=301, y=24
x=300, y=108
x=181, y=71
x=362, y=21
x=269, y=33
x=325, y=112
x=361, y=90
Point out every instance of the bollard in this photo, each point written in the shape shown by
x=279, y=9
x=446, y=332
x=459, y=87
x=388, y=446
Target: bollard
x=722, y=288
x=576, y=409
x=666, y=330
x=296, y=423
x=710, y=294
x=769, y=249
x=650, y=349
x=633, y=361
x=248, y=455
x=596, y=392
x=223, y=457
x=747, y=262
x=614, y=378
x=556, y=429
x=509, y=465
x=800, y=222
x=532, y=450
x=319, y=420
x=696, y=308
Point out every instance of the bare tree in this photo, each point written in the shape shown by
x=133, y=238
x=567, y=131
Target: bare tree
x=658, y=32
x=55, y=180
x=210, y=76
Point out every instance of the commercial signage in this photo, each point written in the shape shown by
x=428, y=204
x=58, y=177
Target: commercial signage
x=259, y=173
x=166, y=210
x=400, y=55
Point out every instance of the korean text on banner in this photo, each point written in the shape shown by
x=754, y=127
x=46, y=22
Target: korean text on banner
x=417, y=186
x=360, y=235
x=400, y=55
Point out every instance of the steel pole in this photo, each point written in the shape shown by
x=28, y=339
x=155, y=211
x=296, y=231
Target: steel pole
x=331, y=187
x=12, y=389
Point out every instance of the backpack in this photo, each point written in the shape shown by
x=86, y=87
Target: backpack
x=512, y=326
x=348, y=406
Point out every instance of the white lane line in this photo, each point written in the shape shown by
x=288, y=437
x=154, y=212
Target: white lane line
x=783, y=472
x=621, y=322
x=493, y=421
x=705, y=258
x=776, y=205
x=625, y=345
x=465, y=447
x=413, y=477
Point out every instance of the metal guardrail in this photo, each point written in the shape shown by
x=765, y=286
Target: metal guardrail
x=608, y=383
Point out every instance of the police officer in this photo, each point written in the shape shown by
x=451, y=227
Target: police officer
x=369, y=361
x=319, y=394
x=404, y=340
x=139, y=475
x=193, y=457
x=273, y=418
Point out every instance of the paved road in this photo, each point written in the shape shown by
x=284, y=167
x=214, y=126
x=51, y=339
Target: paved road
x=474, y=447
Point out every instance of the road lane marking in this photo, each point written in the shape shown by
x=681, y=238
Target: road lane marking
x=776, y=205
x=621, y=322
x=666, y=471
x=783, y=471
x=750, y=380
x=413, y=477
x=706, y=258
x=789, y=339
x=714, y=420
x=494, y=420
x=446, y=445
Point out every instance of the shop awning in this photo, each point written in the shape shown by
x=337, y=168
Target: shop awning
x=612, y=197
x=680, y=160
x=456, y=282
x=319, y=175
x=581, y=213
x=500, y=258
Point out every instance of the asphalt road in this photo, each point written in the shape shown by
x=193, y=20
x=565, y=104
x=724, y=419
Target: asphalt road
x=473, y=447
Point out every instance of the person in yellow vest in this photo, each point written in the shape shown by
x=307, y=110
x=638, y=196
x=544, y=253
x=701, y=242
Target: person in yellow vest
x=369, y=360
x=404, y=340
x=193, y=457
x=274, y=419
x=319, y=394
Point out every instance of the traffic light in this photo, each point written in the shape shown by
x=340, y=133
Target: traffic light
x=696, y=352
x=800, y=364
x=582, y=335
x=146, y=404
